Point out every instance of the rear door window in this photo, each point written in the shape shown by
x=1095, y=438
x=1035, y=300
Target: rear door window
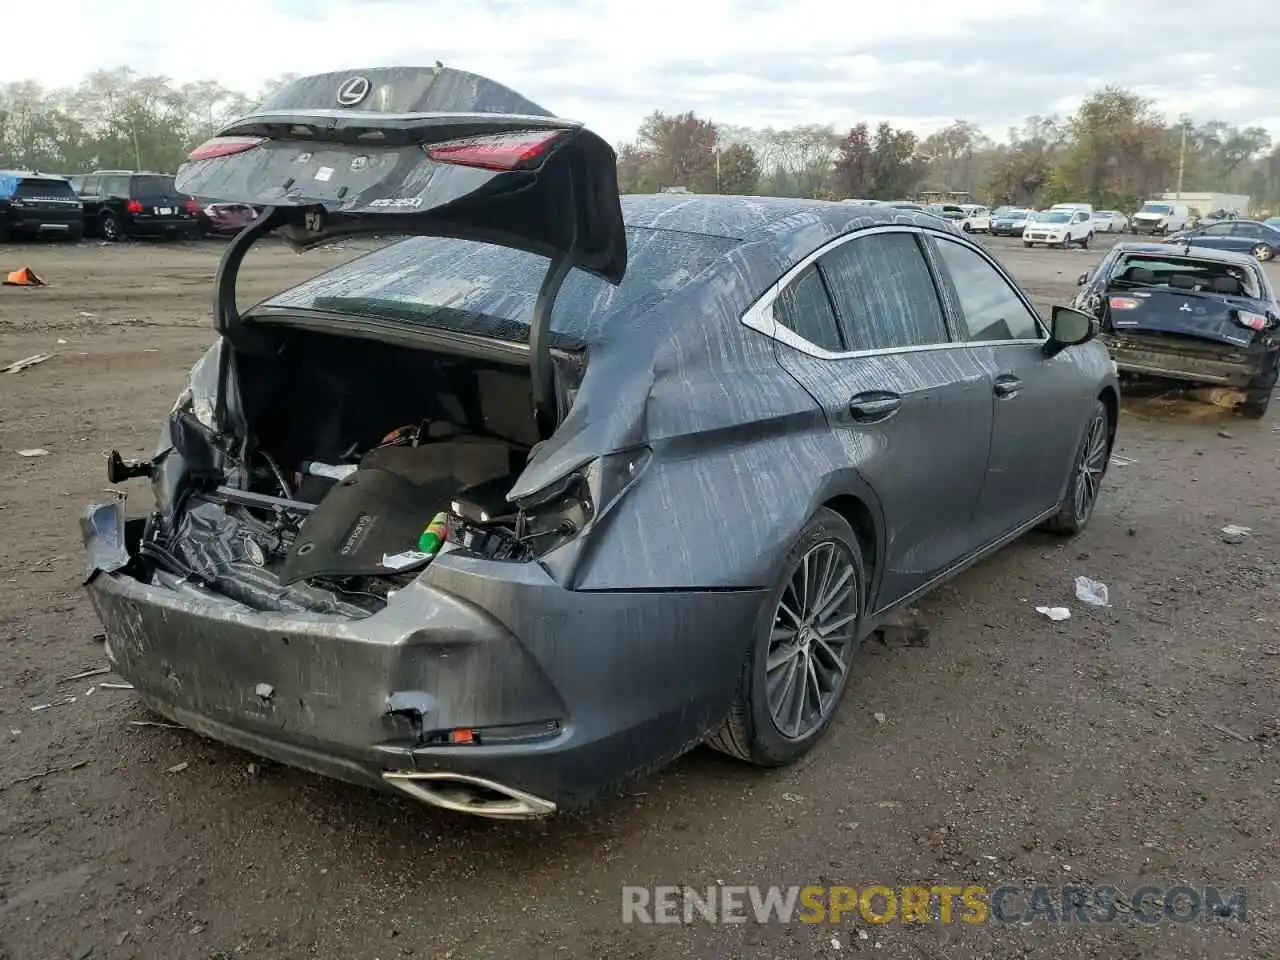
x=115, y=187
x=805, y=309
x=991, y=308
x=884, y=294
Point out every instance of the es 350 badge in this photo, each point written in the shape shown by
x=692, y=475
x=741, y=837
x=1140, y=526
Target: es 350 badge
x=397, y=203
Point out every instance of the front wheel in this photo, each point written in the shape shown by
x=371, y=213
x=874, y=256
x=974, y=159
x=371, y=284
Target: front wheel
x=1087, y=471
x=1084, y=244
x=806, y=635
x=1263, y=252
x=1027, y=243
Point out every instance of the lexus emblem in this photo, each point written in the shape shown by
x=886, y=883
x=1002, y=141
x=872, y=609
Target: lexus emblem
x=353, y=91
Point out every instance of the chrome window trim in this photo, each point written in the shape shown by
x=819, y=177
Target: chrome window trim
x=759, y=316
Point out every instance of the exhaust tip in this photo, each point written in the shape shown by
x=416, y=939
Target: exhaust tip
x=464, y=793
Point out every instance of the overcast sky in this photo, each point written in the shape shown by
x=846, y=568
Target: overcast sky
x=918, y=63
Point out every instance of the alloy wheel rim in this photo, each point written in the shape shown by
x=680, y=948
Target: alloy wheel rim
x=1093, y=463
x=812, y=639
x=1262, y=252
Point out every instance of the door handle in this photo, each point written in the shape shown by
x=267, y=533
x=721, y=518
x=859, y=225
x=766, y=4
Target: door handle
x=874, y=405
x=1006, y=385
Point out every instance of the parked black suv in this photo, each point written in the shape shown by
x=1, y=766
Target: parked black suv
x=39, y=205
x=119, y=204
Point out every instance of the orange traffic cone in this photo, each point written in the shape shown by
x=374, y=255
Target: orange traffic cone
x=24, y=277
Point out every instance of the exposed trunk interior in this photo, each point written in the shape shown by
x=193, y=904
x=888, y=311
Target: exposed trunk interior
x=352, y=448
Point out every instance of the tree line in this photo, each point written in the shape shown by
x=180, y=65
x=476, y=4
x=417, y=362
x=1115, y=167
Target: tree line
x=1115, y=151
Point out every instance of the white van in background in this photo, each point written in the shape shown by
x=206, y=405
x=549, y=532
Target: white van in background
x=1161, y=217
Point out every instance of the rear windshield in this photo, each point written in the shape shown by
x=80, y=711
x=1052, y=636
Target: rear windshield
x=489, y=290
x=44, y=190
x=150, y=185
x=1185, y=273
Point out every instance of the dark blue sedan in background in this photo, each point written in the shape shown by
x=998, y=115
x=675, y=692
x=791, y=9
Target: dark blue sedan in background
x=1262, y=240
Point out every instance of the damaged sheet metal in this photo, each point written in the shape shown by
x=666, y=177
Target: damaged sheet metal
x=103, y=526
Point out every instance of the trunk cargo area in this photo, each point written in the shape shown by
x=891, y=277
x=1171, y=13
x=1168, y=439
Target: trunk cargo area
x=351, y=448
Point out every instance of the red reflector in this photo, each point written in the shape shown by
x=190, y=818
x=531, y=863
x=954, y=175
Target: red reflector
x=462, y=736
x=223, y=147
x=1125, y=303
x=502, y=151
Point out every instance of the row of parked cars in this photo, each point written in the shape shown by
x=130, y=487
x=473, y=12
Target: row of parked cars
x=1068, y=224
x=111, y=205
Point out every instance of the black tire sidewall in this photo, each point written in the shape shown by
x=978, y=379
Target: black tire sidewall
x=107, y=234
x=769, y=745
x=1099, y=410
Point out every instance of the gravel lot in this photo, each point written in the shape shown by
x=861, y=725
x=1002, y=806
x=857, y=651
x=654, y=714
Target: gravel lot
x=1128, y=744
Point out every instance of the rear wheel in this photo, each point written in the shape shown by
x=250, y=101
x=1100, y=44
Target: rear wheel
x=1263, y=251
x=109, y=227
x=1087, y=471
x=806, y=635
x=76, y=234
x=1257, y=395
x=1084, y=244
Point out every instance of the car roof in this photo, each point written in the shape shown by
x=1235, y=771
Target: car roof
x=1194, y=253
x=757, y=218
x=31, y=175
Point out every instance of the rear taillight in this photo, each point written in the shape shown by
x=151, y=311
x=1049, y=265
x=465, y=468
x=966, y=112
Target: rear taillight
x=1254, y=321
x=192, y=207
x=502, y=151
x=223, y=147
x=1124, y=303
x=133, y=206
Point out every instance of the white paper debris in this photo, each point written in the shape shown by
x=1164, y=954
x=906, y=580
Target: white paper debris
x=1233, y=533
x=1055, y=613
x=34, y=452
x=1092, y=592
x=401, y=561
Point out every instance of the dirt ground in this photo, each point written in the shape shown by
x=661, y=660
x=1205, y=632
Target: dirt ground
x=1127, y=744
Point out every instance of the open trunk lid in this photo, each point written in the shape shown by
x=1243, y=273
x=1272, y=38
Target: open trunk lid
x=1185, y=313
x=430, y=151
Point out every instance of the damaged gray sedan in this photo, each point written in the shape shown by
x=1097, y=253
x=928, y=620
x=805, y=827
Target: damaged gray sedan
x=563, y=484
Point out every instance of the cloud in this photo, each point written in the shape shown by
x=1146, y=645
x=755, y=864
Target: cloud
x=608, y=63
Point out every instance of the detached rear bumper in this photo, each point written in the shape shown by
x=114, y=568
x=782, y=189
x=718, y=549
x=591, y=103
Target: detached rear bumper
x=1198, y=363
x=570, y=693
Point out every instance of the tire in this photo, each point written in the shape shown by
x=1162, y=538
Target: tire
x=109, y=228
x=1264, y=252
x=1257, y=395
x=1027, y=243
x=966, y=228
x=75, y=234
x=1088, y=468
x=750, y=732
x=1084, y=244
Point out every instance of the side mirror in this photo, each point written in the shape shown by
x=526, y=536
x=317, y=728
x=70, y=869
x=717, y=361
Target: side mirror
x=1069, y=328
x=1082, y=280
